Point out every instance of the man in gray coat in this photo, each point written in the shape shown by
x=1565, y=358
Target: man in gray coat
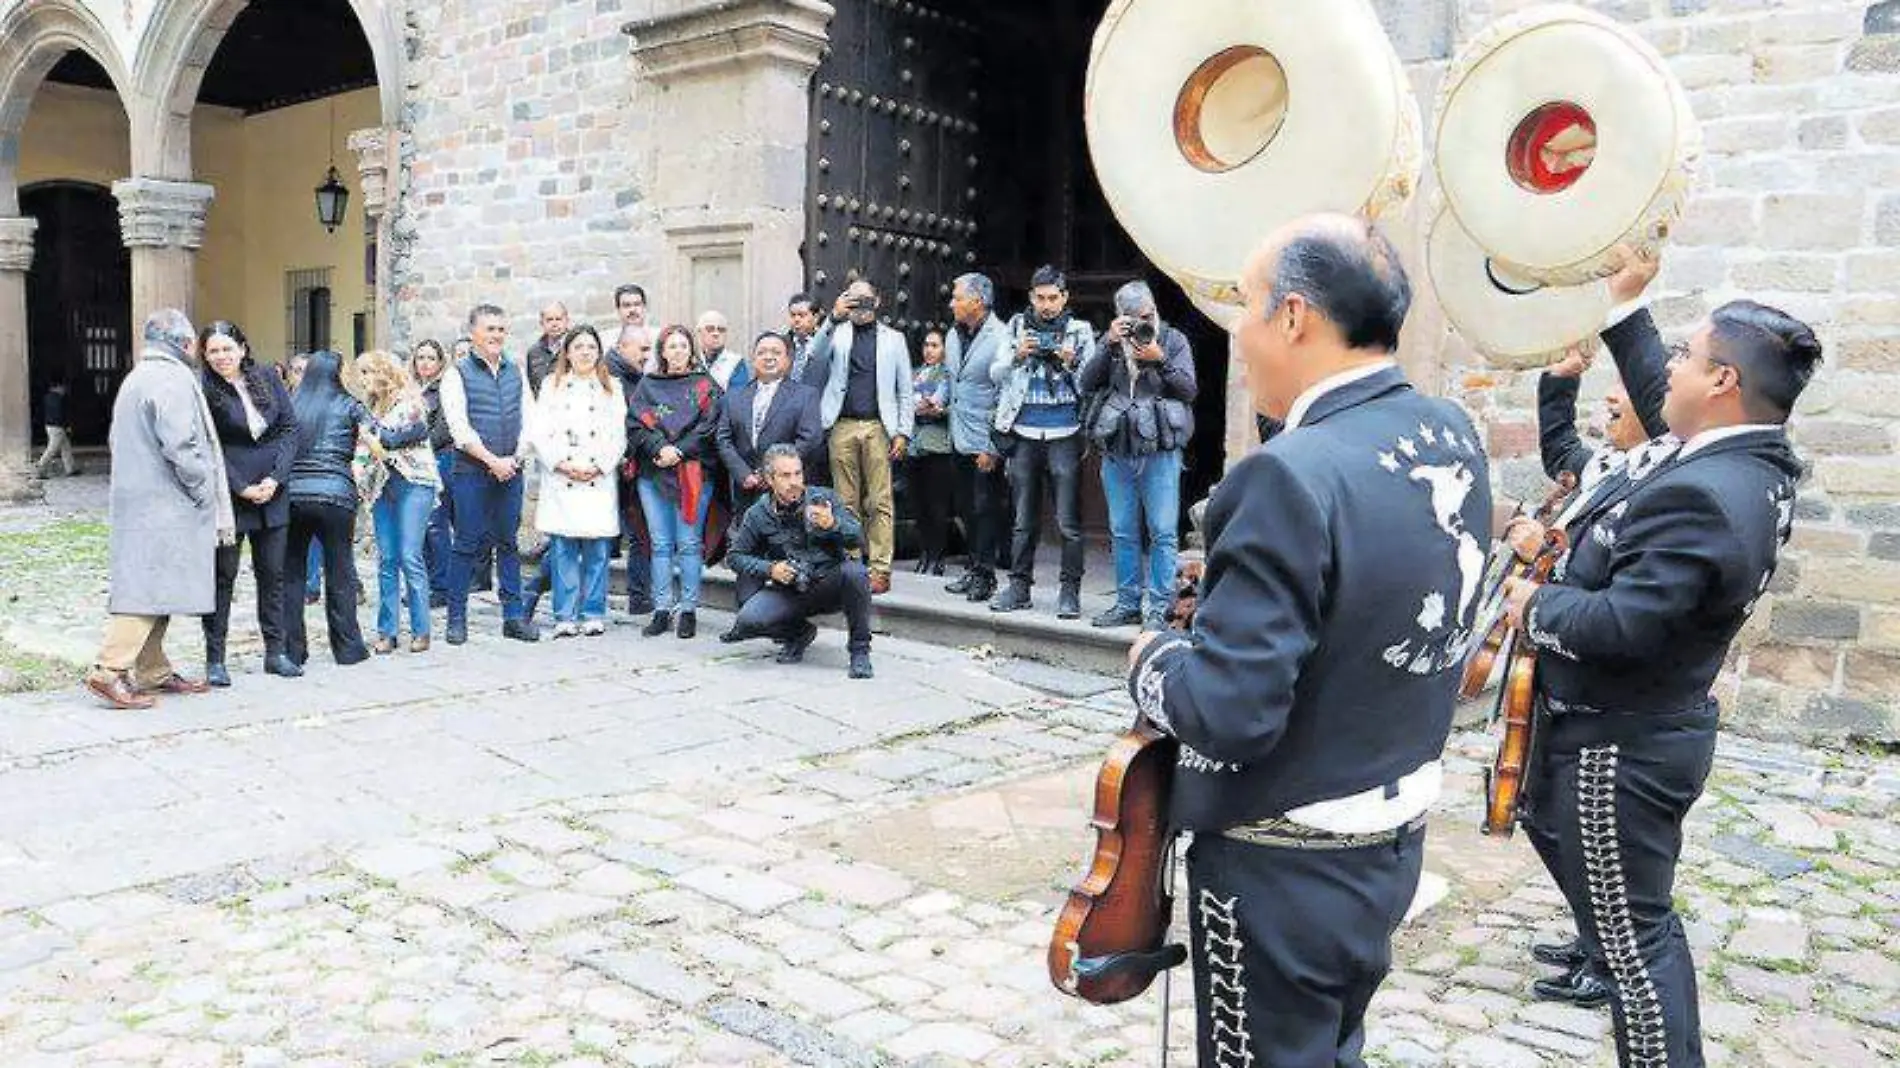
x=983, y=496
x=171, y=509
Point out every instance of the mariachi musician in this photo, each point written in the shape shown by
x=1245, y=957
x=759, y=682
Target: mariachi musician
x=1313, y=695
x=1637, y=438
x=1663, y=571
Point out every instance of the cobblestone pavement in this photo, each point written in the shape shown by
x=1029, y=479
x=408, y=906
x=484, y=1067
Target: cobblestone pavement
x=671, y=853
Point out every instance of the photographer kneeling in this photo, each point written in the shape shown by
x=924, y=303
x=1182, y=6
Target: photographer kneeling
x=795, y=554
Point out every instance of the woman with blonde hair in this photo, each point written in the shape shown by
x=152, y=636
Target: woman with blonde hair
x=580, y=433
x=402, y=484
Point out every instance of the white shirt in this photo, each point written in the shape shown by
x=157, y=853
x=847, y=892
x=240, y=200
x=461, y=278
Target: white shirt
x=455, y=406
x=1710, y=437
x=253, y=418
x=1326, y=385
x=762, y=403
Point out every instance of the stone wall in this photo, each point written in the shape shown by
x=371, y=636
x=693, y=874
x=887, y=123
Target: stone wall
x=1798, y=204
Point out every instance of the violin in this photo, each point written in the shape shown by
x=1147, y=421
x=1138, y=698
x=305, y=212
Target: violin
x=1481, y=663
x=1505, y=779
x=1110, y=940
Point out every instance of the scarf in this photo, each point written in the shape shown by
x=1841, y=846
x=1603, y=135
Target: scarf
x=673, y=405
x=220, y=480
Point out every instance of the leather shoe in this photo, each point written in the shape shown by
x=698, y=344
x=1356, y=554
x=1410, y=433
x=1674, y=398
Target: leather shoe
x=794, y=650
x=1580, y=987
x=178, y=686
x=1565, y=955
x=687, y=625
x=861, y=666
x=1118, y=616
x=962, y=584
x=520, y=630
x=115, y=689
x=982, y=589
x=282, y=666
x=456, y=634
x=880, y=583
x=217, y=675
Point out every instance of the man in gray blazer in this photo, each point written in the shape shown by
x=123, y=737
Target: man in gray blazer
x=869, y=413
x=978, y=339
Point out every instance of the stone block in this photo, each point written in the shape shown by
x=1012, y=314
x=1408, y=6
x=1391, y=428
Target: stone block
x=1714, y=34
x=1822, y=132
x=1837, y=437
x=1835, y=24
x=1879, y=127
x=1702, y=71
x=1802, y=667
x=1882, y=630
x=1887, y=220
x=1874, y=516
x=747, y=891
x=1815, y=621
x=1752, y=133
x=1875, y=272
x=1791, y=64
x=1875, y=55
x=1508, y=437
x=1874, y=311
x=1866, y=581
x=1872, y=478
x=1839, y=719
x=1811, y=221
x=1811, y=540
x=1873, y=676
x=1884, y=545
x=1801, y=274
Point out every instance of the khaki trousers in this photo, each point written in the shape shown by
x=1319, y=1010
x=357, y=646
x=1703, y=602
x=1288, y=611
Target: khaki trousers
x=136, y=644
x=59, y=446
x=861, y=473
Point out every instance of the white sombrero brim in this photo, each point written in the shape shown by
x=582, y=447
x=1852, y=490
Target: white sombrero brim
x=1514, y=323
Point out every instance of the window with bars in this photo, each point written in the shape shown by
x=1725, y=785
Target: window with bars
x=306, y=310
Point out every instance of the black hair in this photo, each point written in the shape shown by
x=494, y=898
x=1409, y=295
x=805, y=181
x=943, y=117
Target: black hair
x=1359, y=285
x=801, y=298
x=773, y=334
x=629, y=288
x=1774, y=354
x=1049, y=275
x=255, y=383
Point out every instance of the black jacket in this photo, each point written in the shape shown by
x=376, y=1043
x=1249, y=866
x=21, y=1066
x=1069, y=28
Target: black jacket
x=1643, y=364
x=1154, y=412
x=768, y=533
x=791, y=420
x=540, y=364
x=1343, y=578
x=440, y=438
x=1662, y=573
x=328, y=419
x=249, y=460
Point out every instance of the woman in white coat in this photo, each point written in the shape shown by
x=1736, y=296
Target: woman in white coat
x=580, y=433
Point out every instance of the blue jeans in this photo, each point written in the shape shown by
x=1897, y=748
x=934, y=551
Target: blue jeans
x=487, y=517
x=436, y=545
x=676, y=541
x=1143, y=488
x=580, y=578
x=401, y=515
x=313, y=586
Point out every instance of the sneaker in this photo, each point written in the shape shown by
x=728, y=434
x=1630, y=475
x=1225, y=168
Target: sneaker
x=1119, y=616
x=520, y=630
x=1014, y=598
x=1069, y=602
x=593, y=628
x=688, y=624
x=456, y=634
x=566, y=630
x=658, y=625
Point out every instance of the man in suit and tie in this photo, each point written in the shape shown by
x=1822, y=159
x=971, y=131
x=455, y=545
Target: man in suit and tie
x=983, y=498
x=869, y=412
x=801, y=317
x=769, y=410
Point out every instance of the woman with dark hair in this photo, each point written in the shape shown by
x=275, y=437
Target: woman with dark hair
x=580, y=433
x=669, y=429
x=426, y=365
x=324, y=499
x=252, y=416
x=933, y=473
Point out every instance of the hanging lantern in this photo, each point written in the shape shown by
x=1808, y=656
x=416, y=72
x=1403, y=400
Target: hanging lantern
x=332, y=198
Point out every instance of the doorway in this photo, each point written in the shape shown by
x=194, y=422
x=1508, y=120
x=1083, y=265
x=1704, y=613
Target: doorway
x=79, y=304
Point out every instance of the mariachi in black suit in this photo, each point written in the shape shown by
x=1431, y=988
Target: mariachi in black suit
x=1340, y=591
x=1663, y=571
x=790, y=419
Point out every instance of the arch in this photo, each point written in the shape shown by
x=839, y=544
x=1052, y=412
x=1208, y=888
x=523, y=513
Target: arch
x=176, y=50
x=33, y=38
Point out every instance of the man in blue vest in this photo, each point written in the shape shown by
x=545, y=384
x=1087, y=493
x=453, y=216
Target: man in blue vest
x=485, y=397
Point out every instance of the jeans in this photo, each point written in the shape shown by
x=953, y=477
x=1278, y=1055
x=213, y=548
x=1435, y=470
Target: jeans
x=633, y=526
x=1058, y=463
x=313, y=564
x=441, y=536
x=773, y=611
x=333, y=527
x=402, y=526
x=676, y=542
x=267, y=566
x=580, y=577
x=487, y=516
x=983, y=502
x=1142, y=488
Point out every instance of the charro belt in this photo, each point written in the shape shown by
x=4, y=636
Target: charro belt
x=1283, y=833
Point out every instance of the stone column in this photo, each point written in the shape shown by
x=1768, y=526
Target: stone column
x=163, y=223
x=731, y=196
x=378, y=156
x=16, y=430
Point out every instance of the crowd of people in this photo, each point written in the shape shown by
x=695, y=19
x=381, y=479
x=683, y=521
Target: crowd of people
x=667, y=446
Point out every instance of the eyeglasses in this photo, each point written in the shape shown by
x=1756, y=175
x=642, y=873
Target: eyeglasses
x=1679, y=352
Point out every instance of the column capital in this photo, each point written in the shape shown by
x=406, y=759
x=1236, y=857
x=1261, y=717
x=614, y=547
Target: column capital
x=708, y=35
x=376, y=148
x=16, y=243
x=160, y=213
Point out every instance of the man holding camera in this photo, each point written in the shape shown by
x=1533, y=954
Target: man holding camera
x=869, y=412
x=795, y=554
x=1038, y=429
x=1143, y=379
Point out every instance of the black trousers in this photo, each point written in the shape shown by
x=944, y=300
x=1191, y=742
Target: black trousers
x=334, y=528
x=1542, y=830
x=933, y=492
x=1617, y=788
x=267, y=567
x=983, y=503
x=773, y=611
x=1057, y=464
x=1289, y=945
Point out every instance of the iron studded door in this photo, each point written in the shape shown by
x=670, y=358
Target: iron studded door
x=891, y=191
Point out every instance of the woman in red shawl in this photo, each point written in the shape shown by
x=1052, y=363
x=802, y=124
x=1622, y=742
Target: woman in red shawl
x=669, y=428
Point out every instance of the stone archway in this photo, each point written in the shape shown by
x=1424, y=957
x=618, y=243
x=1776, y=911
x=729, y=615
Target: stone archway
x=33, y=38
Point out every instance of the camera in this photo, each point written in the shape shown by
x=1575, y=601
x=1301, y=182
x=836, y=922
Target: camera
x=1048, y=342
x=801, y=577
x=1143, y=333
